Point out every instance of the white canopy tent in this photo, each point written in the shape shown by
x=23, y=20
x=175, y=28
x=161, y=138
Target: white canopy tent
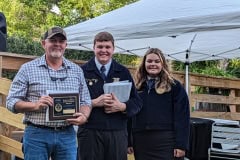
x=186, y=31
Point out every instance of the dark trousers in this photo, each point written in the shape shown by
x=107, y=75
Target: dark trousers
x=102, y=144
x=154, y=145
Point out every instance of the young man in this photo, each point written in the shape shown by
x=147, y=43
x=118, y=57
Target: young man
x=104, y=137
x=28, y=94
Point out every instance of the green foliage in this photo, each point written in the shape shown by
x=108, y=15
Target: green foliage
x=28, y=47
x=235, y=72
x=22, y=20
x=30, y=18
x=203, y=67
x=234, y=63
x=99, y=7
x=130, y=60
x=215, y=72
x=9, y=74
x=27, y=20
x=78, y=55
x=234, y=67
x=22, y=45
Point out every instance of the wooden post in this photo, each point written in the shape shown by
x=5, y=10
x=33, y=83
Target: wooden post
x=238, y=95
x=5, y=130
x=1, y=67
x=191, y=100
x=232, y=107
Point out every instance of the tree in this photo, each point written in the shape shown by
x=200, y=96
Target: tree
x=27, y=20
x=30, y=18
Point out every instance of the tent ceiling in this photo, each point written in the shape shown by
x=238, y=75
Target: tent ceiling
x=186, y=30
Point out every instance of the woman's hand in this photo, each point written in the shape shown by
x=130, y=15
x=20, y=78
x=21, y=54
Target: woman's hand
x=179, y=153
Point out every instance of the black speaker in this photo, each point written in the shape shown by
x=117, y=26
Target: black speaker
x=3, y=33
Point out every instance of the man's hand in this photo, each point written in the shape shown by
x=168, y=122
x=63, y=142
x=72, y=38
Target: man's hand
x=81, y=116
x=114, y=105
x=99, y=102
x=43, y=102
x=79, y=120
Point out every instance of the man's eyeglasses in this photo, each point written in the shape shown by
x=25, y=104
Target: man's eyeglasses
x=58, y=78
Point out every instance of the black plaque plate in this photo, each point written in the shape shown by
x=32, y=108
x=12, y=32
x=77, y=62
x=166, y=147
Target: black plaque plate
x=65, y=105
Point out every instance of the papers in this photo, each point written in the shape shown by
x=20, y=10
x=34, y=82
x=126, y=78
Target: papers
x=120, y=89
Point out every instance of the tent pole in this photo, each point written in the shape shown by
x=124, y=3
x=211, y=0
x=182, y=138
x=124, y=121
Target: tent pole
x=187, y=62
x=186, y=77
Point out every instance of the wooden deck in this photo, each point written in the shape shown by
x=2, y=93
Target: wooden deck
x=11, y=126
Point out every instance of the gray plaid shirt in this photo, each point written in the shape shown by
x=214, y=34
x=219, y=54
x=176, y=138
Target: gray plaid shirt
x=33, y=80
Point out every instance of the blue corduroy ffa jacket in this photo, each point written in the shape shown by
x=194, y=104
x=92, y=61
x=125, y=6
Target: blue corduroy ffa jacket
x=167, y=112
x=98, y=118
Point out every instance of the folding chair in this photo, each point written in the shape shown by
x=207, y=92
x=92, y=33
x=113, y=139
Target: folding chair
x=225, y=142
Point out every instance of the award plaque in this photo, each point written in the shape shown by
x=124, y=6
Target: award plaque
x=64, y=106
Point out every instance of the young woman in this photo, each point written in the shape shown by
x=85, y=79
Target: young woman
x=161, y=129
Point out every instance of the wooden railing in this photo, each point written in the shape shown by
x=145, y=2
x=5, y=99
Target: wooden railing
x=9, y=123
x=232, y=99
x=11, y=127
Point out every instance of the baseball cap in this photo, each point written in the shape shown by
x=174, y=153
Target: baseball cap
x=53, y=31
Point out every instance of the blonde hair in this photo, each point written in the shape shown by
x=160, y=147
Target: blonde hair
x=163, y=81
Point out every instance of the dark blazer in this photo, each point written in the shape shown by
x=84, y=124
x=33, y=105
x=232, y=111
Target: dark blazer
x=98, y=118
x=167, y=112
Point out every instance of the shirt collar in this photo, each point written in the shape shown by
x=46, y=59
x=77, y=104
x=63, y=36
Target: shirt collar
x=42, y=62
x=99, y=65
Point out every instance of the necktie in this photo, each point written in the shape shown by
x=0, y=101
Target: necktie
x=102, y=70
x=151, y=83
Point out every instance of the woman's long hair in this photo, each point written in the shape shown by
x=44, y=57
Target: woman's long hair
x=163, y=81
